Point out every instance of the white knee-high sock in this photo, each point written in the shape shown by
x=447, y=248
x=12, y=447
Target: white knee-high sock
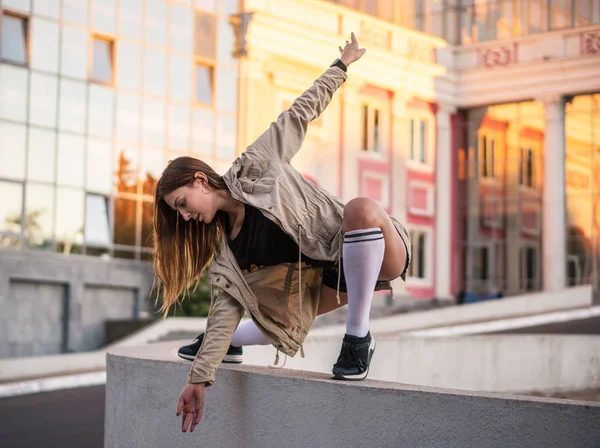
x=362, y=258
x=247, y=333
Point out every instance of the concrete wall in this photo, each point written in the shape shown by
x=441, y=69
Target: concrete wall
x=261, y=407
x=53, y=304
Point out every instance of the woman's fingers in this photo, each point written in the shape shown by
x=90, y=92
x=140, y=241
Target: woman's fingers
x=197, y=418
x=186, y=420
x=353, y=39
x=341, y=49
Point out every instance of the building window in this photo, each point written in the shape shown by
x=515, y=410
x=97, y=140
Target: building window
x=97, y=227
x=205, y=44
x=529, y=268
x=487, y=157
x=14, y=39
x=418, y=258
x=418, y=141
x=526, y=167
x=204, y=84
x=371, y=128
x=102, y=62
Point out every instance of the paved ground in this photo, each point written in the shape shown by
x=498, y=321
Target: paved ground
x=63, y=419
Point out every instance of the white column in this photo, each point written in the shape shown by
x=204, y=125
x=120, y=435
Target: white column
x=554, y=227
x=443, y=207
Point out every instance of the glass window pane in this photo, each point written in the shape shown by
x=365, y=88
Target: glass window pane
x=75, y=11
x=101, y=111
x=206, y=35
x=125, y=221
x=127, y=169
x=99, y=166
x=13, y=91
x=43, y=100
x=227, y=93
x=207, y=5
x=44, y=45
x=153, y=164
x=180, y=78
x=74, y=53
x=11, y=207
x=70, y=160
x=179, y=127
x=17, y=5
x=182, y=28
x=39, y=214
x=130, y=18
x=147, y=223
x=102, y=66
x=156, y=22
x=155, y=73
x=154, y=122
x=69, y=215
x=97, y=224
x=14, y=39
x=48, y=8
x=104, y=16
x=12, y=150
x=203, y=132
x=72, y=106
x=42, y=155
x=229, y=6
x=226, y=137
x=560, y=13
x=128, y=118
x=226, y=42
x=129, y=66
x=204, y=84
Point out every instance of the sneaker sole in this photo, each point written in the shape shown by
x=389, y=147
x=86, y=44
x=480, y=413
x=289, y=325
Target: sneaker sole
x=363, y=375
x=229, y=359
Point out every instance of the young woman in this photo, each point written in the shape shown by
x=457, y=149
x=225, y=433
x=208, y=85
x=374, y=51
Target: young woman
x=273, y=243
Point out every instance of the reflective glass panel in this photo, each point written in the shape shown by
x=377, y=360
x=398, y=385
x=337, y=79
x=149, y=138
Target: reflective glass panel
x=43, y=98
x=17, y=5
x=74, y=53
x=127, y=169
x=182, y=28
x=99, y=166
x=75, y=11
x=44, y=45
x=69, y=214
x=39, y=214
x=70, y=162
x=11, y=206
x=227, y=86
x=226, y=137
x=156, y=22
x=104, y=16
x=180, y=78
x=72, y=106
x=147, y=223
x=97, y=224
x=204, y=84
x=203, y=132
x=179, y=127
x=226, y=42
x=12, y=150
x=155, y=74
x=42, y=155
x=129, y=66
x=13, y=91
x=154, y=122
x=229, y=6
x=206, y=35
x=560, y=13
x=125, y=222
x=48, y=8
x=128, y=117
x=131, y=14
x=153, y=164
x=207, y=5
x=101, y=108
x=14, y=39
x=102, y=69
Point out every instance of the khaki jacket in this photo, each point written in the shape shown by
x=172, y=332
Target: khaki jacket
x=282, y=300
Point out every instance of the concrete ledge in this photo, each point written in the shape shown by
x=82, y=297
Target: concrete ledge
x=261, y=407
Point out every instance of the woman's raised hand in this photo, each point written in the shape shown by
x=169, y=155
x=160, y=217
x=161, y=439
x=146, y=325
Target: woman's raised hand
x=351, y=52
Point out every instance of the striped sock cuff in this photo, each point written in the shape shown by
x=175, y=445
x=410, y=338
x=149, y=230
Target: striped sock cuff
x=358, y=236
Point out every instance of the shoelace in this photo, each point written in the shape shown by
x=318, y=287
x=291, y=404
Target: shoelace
x=349, y=353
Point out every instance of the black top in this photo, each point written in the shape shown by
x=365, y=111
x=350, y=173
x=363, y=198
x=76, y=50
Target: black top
x=262, y=243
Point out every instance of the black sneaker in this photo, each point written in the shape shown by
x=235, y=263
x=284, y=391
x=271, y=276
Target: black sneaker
x=233, y=356
x=355, y=358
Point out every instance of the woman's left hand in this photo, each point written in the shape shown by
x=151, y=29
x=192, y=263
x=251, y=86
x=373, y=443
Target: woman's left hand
x=351, y=53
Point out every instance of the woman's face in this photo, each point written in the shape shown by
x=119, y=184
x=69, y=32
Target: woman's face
x=196, y=201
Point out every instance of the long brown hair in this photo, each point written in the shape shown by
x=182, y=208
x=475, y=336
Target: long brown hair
x=183, y=249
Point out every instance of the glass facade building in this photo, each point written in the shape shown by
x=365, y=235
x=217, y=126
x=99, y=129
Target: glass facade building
x=96, y=97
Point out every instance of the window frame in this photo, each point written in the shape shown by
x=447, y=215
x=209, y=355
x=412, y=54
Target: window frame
x=536, y=279
x=213, y=83
x=426, y=280
x=374, y=109
x=26, y=19
x=113, y=58
x=415, y=143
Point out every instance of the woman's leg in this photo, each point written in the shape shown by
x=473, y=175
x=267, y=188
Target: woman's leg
x=247, y=333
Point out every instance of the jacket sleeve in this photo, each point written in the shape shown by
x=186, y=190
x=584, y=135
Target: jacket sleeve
x=284, y=137
x=223, y=318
